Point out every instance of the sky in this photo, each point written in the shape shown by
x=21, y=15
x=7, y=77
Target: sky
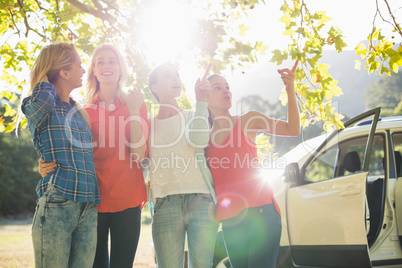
x=353, y=17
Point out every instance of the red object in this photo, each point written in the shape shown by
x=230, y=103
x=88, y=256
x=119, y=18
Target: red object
x=120, y=179
x=235, y=170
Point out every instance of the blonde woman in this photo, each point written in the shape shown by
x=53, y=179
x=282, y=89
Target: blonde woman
x=121, y=182
x=64, y=225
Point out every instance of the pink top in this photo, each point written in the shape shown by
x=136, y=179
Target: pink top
x=235, y=169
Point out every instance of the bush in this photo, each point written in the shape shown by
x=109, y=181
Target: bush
x=18, y=173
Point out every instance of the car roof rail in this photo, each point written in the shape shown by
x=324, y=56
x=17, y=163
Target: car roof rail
x=390, y=118
x=367, y=122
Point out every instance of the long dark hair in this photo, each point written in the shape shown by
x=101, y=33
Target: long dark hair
x=153, y=77
x=210, y=119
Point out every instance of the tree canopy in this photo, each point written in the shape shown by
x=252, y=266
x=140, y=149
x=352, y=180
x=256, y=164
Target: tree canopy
x=218, y=36
x=386, y=93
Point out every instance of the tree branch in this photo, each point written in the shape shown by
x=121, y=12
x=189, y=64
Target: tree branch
x=14, y=23
x=372, y=31
x=96, y=4
x=94, y=12
x=39, y=6
x=396, y=26
x=113, y=6
x=27, y=26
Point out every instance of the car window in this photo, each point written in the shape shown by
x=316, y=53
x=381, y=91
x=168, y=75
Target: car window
x=358, y=145
x=377, y=157
x=397, y=142
x=347, y=158
x=322, y=168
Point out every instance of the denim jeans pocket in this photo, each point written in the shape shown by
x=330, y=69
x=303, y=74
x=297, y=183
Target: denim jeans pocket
x=207, y=197
x=55, y=199
x=160, y=203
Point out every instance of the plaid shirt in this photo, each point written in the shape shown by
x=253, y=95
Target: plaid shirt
x=60, y=134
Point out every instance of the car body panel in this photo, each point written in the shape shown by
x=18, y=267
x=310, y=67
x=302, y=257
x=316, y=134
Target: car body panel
x=332, y=212
x=325, y=218
x=330, y=225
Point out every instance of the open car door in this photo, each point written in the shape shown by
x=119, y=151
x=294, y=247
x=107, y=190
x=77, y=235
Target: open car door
x=326, y=210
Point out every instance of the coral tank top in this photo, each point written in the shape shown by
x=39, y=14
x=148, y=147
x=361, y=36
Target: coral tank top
x=236, y=172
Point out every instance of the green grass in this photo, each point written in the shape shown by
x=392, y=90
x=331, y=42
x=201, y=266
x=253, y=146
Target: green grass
x=16, y=249
x=16, y=244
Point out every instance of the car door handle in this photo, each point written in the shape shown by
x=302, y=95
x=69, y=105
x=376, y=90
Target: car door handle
x=351, y=192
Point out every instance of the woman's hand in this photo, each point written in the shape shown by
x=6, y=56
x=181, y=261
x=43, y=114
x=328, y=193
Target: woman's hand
x=134, y=100
x=288, y=77
x=46, y=168
x=203, y=87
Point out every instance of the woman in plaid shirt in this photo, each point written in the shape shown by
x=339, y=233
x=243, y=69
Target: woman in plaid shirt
x=64, y=225
x=112, y=114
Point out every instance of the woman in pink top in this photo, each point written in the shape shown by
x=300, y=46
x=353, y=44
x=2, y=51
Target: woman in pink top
x=250, y=217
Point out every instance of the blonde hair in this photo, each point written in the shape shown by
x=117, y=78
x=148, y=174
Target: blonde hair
x=51, y=60
x=92, y=85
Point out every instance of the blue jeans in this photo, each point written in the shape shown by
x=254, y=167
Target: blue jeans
x=124, y=227
x=63, y=231
x=176, y=215
x=252, y=238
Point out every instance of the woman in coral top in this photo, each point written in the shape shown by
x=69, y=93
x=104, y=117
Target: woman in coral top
x=120, y=177
x=251, y=220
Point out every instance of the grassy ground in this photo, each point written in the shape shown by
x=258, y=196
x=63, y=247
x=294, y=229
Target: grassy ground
x=16, y=244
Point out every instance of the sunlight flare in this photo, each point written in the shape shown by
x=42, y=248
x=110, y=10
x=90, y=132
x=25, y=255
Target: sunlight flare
x=167, y=30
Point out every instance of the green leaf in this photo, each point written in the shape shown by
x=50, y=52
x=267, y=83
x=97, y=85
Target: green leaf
x=285, y=8
x=286, y=19
x=374, y=66
x=322, y=69
x=385, y=70
x=332, y=32
x=339, y=44
x=373, y=35
x=358, y=65
x=295, y=12
x=301, y=30
x=260, y=47
x=335, y=90
x=9, y=128
x=243, y=29
x=9, y=111
x=278, y=56
x=313, y=61
x=361, y=49
x=394, y=66
x=289, y=32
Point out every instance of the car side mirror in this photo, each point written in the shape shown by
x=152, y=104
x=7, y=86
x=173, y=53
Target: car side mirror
x=292, y=173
